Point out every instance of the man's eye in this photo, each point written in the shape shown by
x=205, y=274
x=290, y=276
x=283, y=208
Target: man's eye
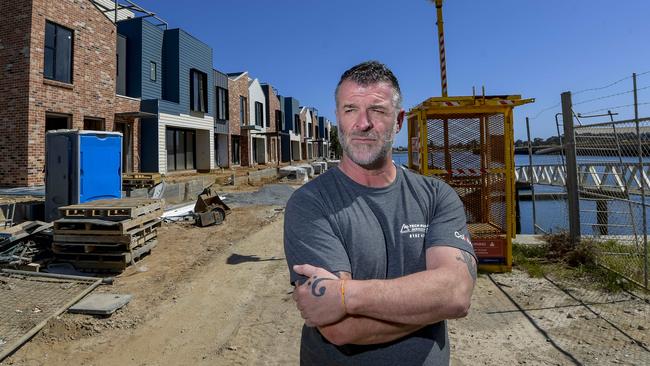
x=379, y=111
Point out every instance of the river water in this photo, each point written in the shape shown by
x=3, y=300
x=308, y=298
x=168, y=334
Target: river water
x=552, y=215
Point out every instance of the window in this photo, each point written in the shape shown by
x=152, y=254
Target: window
x=235, y=150
x=152, y=71
x=57, y=122
x=278, y=120
x=198, y=91
x=180, y=149
x=259, y=114
x=94, y=124
x=58, y=53
x=243, y=110
x=222, y=103
x=296, y=124
x=268, y=120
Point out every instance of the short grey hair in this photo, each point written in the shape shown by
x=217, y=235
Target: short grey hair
x=368, y=73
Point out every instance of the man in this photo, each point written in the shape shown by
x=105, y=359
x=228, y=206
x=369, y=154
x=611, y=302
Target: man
x=380, y=256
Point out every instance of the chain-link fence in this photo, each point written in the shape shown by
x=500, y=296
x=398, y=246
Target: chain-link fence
x=612, y=165
x=469, y=154
x=28, y=300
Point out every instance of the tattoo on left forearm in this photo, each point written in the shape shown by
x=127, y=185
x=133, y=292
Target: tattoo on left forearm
x=321, y=290
x=469, y=261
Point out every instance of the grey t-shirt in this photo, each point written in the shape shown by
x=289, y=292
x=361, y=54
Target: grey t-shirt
x=374, y=233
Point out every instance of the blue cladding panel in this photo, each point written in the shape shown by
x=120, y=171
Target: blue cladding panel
x=221, y=127
x=220, y=79
x=291, y=108
x=191, y=54
x=152, y=44
x=170, y=65
x=132, y=30
x=100, y=180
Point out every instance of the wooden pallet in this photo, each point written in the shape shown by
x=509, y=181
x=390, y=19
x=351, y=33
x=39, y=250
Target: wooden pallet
x=132, y=237
x=115, y=209
x=151, y=176
x=140, y=180
x=67, y=226
x=114, y=262
x=91, y=246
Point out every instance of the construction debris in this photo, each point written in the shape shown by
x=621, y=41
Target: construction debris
x=209, y=208
x=132, y=181
x=106, y=235
x=23, y=245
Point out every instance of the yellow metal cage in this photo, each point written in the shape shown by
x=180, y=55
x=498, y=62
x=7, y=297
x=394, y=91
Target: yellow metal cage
x=468, y=142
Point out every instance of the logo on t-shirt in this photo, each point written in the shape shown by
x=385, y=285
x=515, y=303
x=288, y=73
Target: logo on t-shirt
x=414, y=230
x=463, y=237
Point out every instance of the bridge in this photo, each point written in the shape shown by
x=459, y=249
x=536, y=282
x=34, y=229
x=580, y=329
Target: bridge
x=603, y=177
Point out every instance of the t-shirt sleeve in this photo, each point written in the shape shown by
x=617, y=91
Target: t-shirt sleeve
x=309, y=237
x=448, y=225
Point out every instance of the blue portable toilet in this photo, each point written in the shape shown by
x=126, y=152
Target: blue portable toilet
x=81, y=166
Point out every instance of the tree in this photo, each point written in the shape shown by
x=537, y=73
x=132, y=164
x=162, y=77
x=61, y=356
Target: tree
x=334, y=142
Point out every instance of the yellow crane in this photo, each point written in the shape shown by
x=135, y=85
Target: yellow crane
x=441, y=47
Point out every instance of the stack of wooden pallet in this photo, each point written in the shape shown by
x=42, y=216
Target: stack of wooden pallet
x=140, y=180
x=106, y=235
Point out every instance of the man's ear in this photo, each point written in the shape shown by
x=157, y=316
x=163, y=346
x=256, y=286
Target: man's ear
x=400, y=121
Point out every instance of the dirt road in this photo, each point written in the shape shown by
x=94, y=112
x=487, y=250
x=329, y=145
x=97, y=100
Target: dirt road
x=220, y=296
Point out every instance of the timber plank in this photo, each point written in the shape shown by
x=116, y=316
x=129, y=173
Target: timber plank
x=115, y=209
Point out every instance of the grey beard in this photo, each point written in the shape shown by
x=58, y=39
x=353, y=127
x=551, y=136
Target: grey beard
x=376, y=160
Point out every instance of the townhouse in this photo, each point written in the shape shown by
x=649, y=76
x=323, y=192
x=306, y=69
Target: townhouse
x=274, y=117
x=290, y=138
x=322, y=138
x=58, y=70
x=306, y=126
x=254, y=131
x=222, y=140
x=169, y=70
x=82, y=64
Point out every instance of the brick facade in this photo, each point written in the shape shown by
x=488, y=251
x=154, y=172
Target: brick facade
x=273, y=140
x=15, y=25
x=91, y=93
x=237, y=87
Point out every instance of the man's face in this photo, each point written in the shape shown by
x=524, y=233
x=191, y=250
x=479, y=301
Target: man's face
x=368, y=121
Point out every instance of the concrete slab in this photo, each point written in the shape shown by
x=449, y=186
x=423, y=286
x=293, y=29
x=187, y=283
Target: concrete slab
x=527, y=239
x=308, y=168
x=100, y=304
x=317, y=168
x=293, y=172
x=332, y=163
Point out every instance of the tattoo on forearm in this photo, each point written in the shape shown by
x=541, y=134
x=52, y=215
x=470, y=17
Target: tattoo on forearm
x=469, y=261
x=321, y=290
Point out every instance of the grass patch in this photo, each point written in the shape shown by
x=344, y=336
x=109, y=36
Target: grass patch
x=559, y=257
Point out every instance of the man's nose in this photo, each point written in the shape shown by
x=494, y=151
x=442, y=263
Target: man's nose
x=363, y=121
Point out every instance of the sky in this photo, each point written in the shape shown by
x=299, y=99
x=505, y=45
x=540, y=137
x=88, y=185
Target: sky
x=534, y=48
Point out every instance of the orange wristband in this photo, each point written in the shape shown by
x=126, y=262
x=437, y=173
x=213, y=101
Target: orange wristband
x=343, y=296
